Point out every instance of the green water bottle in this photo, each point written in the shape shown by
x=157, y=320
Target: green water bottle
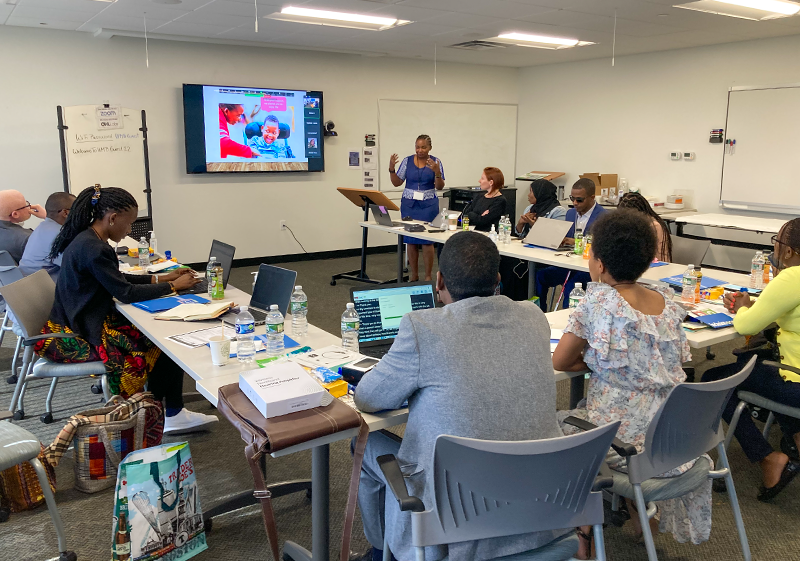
x=578, y=242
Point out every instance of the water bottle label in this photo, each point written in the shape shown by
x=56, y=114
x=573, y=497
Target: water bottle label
x=245, y=328
x=351, y=325
x=274, y=328
x=689, y=281
x=298, y=306
x=573, y=302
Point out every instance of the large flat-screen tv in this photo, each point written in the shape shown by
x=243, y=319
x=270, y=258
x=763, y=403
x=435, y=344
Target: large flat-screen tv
x=233, y=129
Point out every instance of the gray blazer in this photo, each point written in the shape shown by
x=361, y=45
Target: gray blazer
x=478, y=368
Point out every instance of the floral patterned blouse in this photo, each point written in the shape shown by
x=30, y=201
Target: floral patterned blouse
x=635, y=360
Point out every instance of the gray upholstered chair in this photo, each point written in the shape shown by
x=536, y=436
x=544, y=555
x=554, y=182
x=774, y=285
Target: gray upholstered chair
x=486, y=489
x=686, y=426
x=9, y=274
x=31, y=299
x=18, y=445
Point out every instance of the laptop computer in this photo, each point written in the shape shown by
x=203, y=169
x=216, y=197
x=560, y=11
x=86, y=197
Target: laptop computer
x=273, y=286
x=548, y=233
x=382, y=217
x=380, y=310
x=224, y=254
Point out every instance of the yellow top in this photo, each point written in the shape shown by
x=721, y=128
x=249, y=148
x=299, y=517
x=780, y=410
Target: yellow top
x=779, y=303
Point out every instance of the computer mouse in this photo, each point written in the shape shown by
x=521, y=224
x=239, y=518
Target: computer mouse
x=407, y=218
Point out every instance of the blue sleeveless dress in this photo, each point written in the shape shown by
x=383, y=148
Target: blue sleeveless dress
x=422, y=180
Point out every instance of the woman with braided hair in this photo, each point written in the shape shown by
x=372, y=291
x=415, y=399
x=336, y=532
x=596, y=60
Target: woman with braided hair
x=779, y=303
x=84, y=304
x=663, y=238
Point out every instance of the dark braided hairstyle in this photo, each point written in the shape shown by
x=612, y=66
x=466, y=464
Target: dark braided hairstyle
x=92, y=204
x=638, y=202
x=791, y=234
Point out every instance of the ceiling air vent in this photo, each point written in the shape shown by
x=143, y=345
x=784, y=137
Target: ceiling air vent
x=476, y=46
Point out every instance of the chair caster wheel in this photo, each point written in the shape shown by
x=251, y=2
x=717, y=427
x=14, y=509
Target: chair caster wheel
x=97, y=389
x=47, y=418
x=12, y=379
x=308, y=493
x=5, y=514
x=19, y=415
x=208, y=525
x=710, y=355
x=333, y=283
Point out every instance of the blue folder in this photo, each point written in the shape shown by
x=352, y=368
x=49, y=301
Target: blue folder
x=707, y=282
x=164, y=304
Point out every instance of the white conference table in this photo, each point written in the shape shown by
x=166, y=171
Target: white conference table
x=209, y=378
x=549, y=257
x=733, y=222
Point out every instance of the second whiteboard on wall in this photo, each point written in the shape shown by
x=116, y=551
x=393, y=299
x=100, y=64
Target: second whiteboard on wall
x=467, y=137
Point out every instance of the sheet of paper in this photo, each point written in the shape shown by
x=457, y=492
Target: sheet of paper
x=328, y=357
x=354, y=158
x=555, y=337
x=201, y=337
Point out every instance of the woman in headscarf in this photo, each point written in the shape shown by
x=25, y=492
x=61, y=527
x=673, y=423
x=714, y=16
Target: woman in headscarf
x=543, y=203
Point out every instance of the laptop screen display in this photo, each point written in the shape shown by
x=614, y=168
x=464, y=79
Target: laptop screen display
x=380, y=310
x=224, y=254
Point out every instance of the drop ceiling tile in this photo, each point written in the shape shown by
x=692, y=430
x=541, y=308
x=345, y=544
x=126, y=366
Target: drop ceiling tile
x=124, y=23
x=137, y=9
x=44, y=14
x=421, y=29
x=5, y=11
x=36, y=22
x=410, y=13
x=352, y=6
x=190, y=29
x=89, y=6
x=243, y=9
x=212, y=18
x=496, y=8
x=454, y=19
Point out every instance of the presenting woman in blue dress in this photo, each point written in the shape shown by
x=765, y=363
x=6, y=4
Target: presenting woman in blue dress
x=423, y=175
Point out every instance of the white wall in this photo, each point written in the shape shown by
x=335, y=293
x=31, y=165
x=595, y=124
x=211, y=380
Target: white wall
x=592, y=117
x=42, y=69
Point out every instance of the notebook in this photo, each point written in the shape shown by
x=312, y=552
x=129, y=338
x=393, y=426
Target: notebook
x=164, y=304
x=195, y=312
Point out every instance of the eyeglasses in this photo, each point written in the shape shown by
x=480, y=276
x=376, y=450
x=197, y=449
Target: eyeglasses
x=27, y=205
x=774, y=239
x=577, y=199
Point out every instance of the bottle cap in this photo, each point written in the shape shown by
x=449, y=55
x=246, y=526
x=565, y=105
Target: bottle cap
x=350, y=305
x=298, y=287
x=168, y=255
x=273, y=307
x=242, y=309
x=579, y=285
x=143, y=239
x=213, y=259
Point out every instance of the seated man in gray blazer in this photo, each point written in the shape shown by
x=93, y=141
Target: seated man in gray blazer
x=479, y=367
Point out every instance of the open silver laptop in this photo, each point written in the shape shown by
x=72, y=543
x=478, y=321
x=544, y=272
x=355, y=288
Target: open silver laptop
x=382, y=217
x=548, y=233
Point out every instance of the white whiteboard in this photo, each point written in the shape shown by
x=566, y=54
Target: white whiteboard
x=112, y=158
x=467, y=137
x=763, y=171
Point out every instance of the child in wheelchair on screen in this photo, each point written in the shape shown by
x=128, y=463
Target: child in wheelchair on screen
x=269, y=138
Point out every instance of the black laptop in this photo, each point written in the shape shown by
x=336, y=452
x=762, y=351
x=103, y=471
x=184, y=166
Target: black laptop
x=224, y=254
x=380, y=310
x=274, y=285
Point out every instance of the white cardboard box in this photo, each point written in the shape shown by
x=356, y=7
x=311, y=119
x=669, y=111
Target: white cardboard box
x=282, y=388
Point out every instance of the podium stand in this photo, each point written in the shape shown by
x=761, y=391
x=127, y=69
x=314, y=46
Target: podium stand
x=363, y=198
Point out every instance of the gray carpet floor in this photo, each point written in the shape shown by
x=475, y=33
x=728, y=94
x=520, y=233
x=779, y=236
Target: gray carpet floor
x=222, y=470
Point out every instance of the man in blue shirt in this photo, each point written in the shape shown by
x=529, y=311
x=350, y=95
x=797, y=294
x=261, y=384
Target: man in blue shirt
x=582, y=216
x=37, y=251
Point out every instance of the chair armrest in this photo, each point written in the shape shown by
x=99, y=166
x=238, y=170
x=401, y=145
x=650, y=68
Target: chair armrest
x=782, y=366
x=601, y=483
x=622, y=448
x=394, y=478
x=36, y=338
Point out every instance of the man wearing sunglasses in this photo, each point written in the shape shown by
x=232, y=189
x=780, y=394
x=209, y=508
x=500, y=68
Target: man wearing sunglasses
x=37, y=251
x=14, y=210
x=583, y=214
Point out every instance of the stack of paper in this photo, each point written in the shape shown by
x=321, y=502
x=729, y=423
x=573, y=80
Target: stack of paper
x=281, y=388
x=195, y=312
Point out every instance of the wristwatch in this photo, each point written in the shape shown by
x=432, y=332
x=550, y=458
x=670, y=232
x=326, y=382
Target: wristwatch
x=391, y=171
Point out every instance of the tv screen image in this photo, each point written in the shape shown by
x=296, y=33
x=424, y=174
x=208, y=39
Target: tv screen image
x=231, y=129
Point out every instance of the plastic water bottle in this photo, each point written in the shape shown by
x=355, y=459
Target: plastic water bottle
x=506, y=229
x=757, y=271
x=299, y=312
x=688, y=287
x=210, y=271
x=493, y=234
x=578, y=241
x=350, y=326
x=245, y=331
x=576, y=295
x=274, y=331
x=144, y=253
x=154, y=242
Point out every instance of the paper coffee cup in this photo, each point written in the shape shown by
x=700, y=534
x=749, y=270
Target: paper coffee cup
x=220, y=350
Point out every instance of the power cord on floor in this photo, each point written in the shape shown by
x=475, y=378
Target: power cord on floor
x=295, y=239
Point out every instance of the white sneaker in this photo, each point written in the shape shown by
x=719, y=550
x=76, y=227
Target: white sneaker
x=188, y=421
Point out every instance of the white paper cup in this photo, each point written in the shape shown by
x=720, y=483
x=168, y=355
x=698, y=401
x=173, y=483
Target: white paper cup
x=452, y=221
x=220, y=350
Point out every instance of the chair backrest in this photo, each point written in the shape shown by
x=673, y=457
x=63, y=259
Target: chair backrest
x=487, y=488
x=6, y=260
x=30, y=299
x=686, y=426
x=687, y=251
x=9, y=274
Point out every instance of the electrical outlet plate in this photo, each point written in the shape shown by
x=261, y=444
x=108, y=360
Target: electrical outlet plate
x=283, y=224
x=688, y=155
x=675, y=155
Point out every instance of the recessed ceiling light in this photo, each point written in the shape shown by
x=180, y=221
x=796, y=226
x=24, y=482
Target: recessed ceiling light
x=745, y=9
x=539, y=41
x=336, y=19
